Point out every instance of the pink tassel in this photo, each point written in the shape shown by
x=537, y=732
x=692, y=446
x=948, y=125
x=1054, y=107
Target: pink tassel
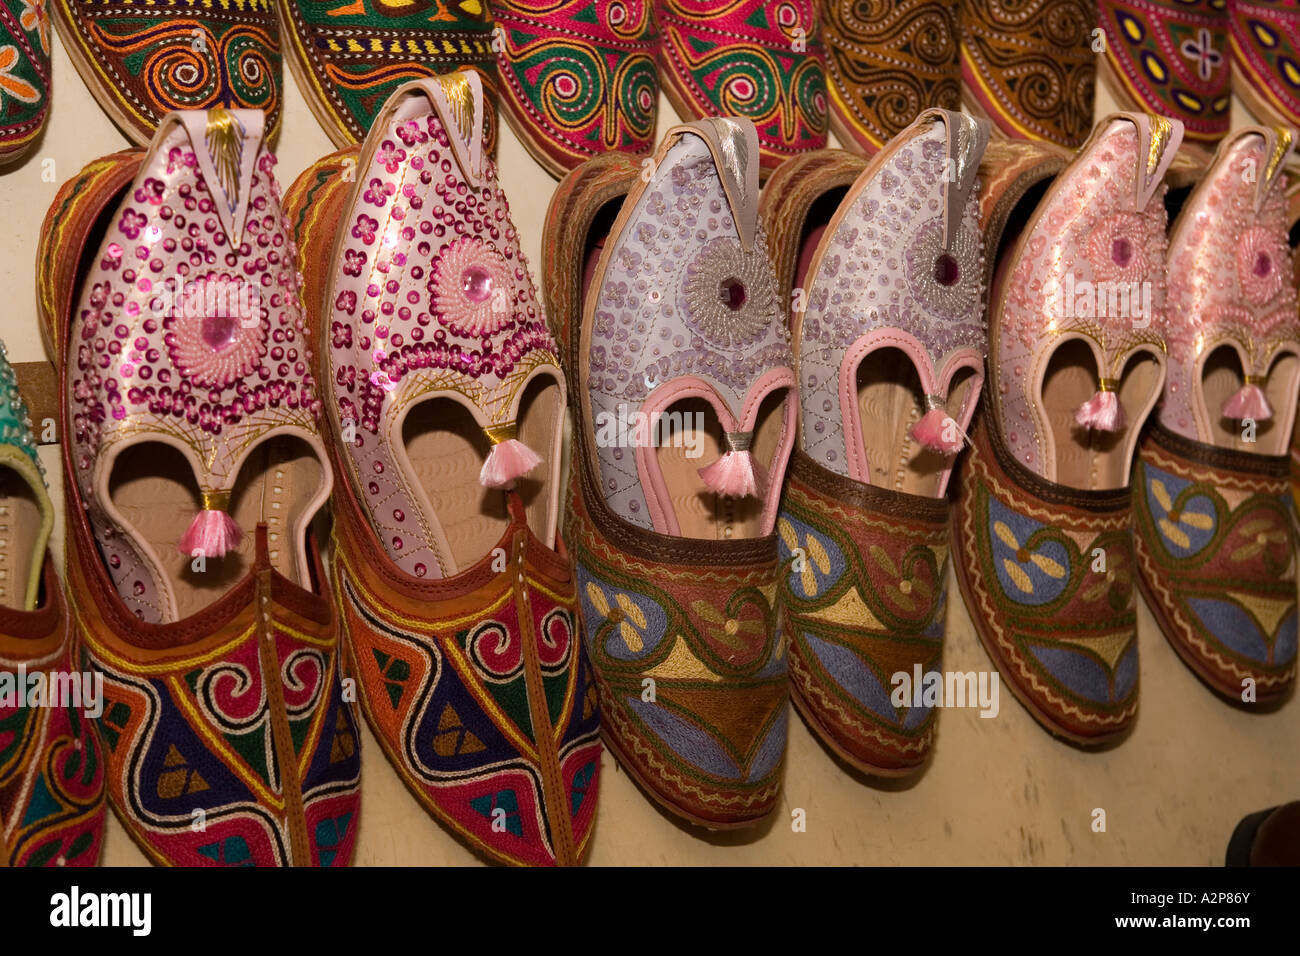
x=1102, y=412
x=932, y=429
x=507, y=461
x=732, y=475
x=212, y=533
x=1249, y=401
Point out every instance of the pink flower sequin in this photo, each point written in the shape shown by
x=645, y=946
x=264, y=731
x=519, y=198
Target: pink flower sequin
x=471, y=290
x=214, y=347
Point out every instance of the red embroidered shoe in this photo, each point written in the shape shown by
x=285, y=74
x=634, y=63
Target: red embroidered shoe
x=192, y=471
x=445, y=407
x=889, y=339
x=578, y=80
x=1266, y=58
x=1171, y=57
x=1043, y=540
x=51, y=763
x=1216, y=541
x=760, y=61
x=662, y=294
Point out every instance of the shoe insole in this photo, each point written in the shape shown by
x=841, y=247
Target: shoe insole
x=1221, y=377
x=447, y=448
x=154, y=490
x=20, y=525
x=890, y=401
x=690, y=438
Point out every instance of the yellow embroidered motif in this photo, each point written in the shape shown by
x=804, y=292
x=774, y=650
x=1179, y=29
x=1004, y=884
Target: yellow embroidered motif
x=1014, y=569
x=1169, y=524
x=624, y=613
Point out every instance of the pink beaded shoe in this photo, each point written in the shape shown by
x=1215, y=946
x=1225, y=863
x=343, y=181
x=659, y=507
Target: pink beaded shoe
x=1216, y=541
x=445, y=406
x=192, y=470
x=1043, y=541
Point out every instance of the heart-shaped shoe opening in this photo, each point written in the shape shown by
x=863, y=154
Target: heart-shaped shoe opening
x=907, y=436
x=1246, y=412
x=155, y=497
x=1094, y=457
x=446, y=449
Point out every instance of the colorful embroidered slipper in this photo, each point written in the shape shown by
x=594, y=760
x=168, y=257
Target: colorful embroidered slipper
x=1171, y=57
x=24, y=75
x=141, y=61
x=886, y=63
x=1265, y=38
x=446, y=407
x=350, y=56
x=1216, y=540
x=863, y=528
x=577, y=79
x=51, y=764
x=664, y=303
x=746, y=58
x=192, y=471
x=1030, y=69
x=1043, y=543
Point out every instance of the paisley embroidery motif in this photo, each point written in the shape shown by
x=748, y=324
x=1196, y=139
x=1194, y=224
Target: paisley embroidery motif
x=887, y=62
x=1030, y=67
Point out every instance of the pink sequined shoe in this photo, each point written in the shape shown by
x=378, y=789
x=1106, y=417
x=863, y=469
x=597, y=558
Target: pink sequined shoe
x=889, y=338
x=1216, y=541
x=445, y=406
x=169, y=286
x=1043, y=540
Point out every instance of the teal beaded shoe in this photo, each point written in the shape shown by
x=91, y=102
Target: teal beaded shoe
x=51, y=774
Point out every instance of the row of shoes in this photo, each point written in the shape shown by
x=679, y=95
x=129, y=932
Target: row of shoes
x=755, y=510
x=575, y=81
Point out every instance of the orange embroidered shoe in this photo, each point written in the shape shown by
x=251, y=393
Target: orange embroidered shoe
x=1030, y=68
x=1216, y=541
x=445, y=407
x=1043, y=539
x=889, y=340
x=663, y=299
x=192, y=470
x=51, y=761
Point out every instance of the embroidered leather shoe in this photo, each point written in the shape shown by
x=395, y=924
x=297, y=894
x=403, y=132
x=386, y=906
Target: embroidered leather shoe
x=141, y=61
x=1216, y=542
x=25, y=77
x=350, y=56
x=889, y=340
x=578, y=80
x=445, y=409
x=1171, y=57
x=760, y=61
x=192, y=471
x=886, y=63
x=663, y=298
x=51, y=764
x=1043, y=537
x=1265, y=37
x=1030, y=68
